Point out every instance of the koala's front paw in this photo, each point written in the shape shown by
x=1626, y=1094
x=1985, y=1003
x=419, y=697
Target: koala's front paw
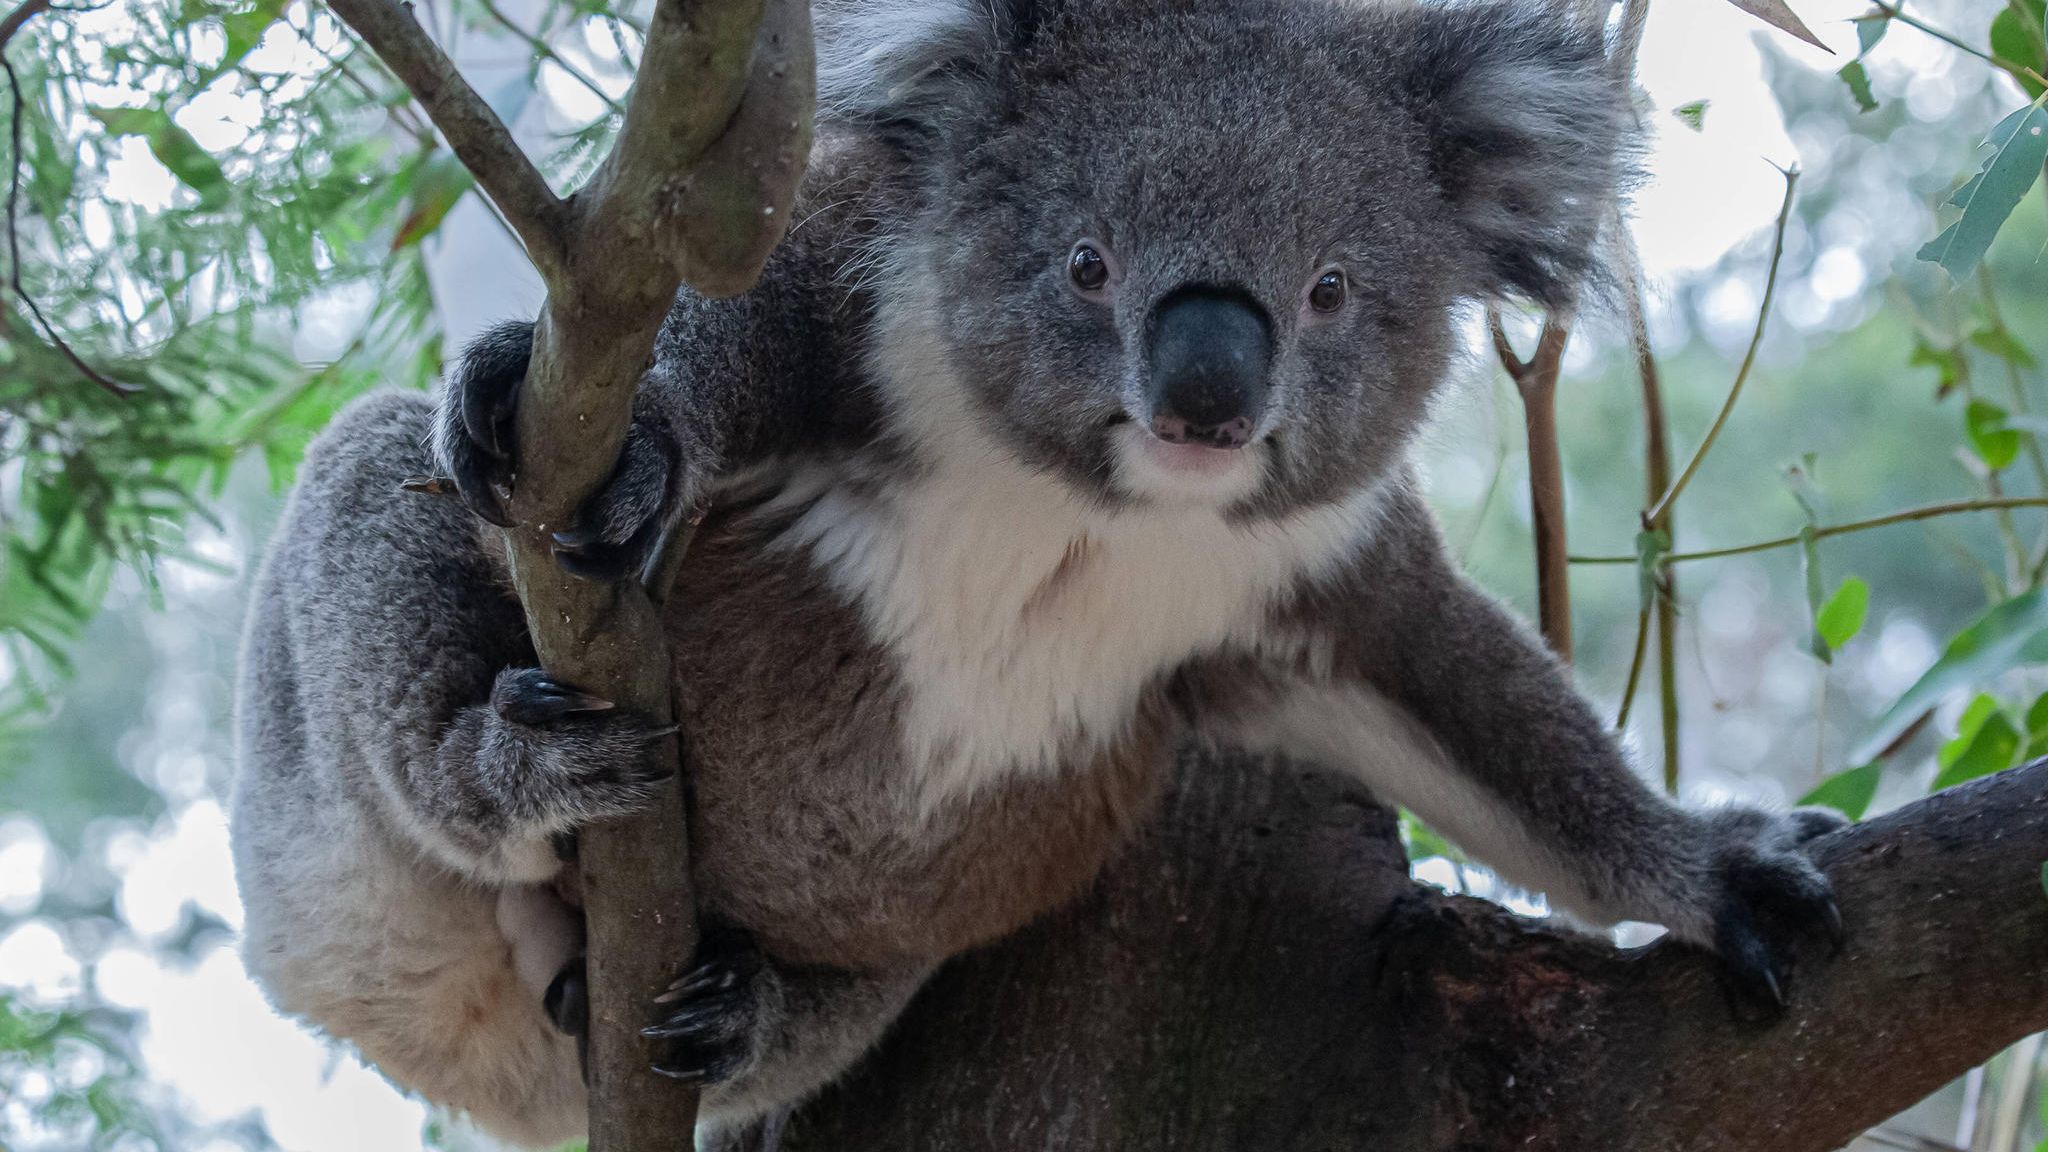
x=570, y=757
x=618, y=527
x=708, y=1018
x=1769, y=897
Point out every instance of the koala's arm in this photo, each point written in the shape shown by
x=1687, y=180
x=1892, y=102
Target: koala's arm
x=731, y=383
x=398, y=666
x=1449, y=706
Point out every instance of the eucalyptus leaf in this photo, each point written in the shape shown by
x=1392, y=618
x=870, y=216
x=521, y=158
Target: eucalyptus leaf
x=2012, y=635
x=1994, y=442
x=1779, y=15
x=2019, y=146
x=1987, y=742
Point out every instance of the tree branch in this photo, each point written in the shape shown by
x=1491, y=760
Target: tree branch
x=481, y=140
x=1536, y=381
x=1260, y=973
x=697, y=188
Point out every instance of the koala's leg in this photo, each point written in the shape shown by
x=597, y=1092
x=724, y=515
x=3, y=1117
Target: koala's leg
x=1446, y=705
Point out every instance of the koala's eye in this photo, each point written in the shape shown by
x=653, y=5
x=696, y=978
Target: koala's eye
x=1328, y=293
x=1087, y=268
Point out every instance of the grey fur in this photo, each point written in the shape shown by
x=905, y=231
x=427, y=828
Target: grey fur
x=943, y=626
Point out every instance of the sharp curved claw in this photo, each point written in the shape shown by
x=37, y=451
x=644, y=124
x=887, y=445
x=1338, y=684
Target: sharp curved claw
x=484, y=501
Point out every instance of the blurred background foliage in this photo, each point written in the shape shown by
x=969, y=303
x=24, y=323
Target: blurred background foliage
x=226, y=221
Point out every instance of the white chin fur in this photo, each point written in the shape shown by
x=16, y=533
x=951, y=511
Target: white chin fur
x=1185, y=474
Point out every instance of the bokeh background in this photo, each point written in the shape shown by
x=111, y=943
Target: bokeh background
x=126, y=1019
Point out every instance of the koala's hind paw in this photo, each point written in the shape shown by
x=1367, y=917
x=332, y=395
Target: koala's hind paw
x=1771, y=898
x=571, y=757
x=706, y=1019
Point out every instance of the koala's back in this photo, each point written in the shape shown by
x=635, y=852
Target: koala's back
x=350, y=925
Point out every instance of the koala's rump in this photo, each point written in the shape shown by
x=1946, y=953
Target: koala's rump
x=807, y=829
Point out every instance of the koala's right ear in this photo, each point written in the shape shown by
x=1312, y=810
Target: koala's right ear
x=1530, y=137
x=899, y=64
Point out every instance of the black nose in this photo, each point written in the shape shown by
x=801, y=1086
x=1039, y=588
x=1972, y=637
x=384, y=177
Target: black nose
x=1209, y=350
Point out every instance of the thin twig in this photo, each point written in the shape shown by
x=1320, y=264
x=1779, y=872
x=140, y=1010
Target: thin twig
x=1926, y=512
x=2013, y=67
x=8, y=27
x=1756, y=339
x=547, y=52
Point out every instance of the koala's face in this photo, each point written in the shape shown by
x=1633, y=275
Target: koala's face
x=1208, y=250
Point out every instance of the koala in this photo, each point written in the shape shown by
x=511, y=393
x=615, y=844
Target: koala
x=1071, y=423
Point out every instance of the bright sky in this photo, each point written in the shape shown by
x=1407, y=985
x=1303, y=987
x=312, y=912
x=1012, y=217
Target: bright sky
x=210, y=1037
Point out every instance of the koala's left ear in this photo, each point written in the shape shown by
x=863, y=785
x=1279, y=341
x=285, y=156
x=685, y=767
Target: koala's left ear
x=1530, y=137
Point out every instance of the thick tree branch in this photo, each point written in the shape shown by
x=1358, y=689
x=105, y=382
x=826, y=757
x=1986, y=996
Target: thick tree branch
x=1260, y=973
x=696, y=190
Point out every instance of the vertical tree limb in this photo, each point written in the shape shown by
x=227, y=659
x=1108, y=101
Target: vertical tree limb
x=697, y=189
x=1657, y=478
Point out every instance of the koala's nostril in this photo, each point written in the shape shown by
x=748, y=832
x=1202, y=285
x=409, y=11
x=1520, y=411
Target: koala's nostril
x=1171, y=429
x=1209, y=350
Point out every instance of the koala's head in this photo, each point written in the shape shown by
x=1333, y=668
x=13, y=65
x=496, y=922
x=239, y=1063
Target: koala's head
x=1210, y=250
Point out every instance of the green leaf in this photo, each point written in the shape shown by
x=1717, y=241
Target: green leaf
x=1869, y=30
x=2004, y=345
x=1778, y=14
x=2011, y=635
x=1842, y=616
x=2016, y=36
x=1858, y=80
x=1693, y=114
x=1986, y=741
x=2019, y=145
x=1850, y=792
x=174, y=147
x=1993, y=442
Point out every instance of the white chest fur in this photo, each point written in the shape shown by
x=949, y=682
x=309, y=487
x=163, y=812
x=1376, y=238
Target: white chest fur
x=1026, y=619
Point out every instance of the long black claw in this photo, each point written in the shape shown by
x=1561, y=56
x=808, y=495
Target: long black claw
x=673, y=1073
x=530, y=698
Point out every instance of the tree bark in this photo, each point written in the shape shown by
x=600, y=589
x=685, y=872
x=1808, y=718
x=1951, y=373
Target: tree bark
x=1259, y=973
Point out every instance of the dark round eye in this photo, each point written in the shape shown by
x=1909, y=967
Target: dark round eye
x=1086, y=268
x=1328, y=294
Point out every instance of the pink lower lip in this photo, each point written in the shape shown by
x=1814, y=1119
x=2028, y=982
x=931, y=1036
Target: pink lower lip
x=1196, y=459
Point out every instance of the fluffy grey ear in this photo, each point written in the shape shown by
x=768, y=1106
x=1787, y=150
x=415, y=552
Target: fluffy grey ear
x=895, y=63
x=1531, y=139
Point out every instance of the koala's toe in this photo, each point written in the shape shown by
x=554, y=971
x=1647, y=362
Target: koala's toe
x=528, y=696
x=704, y=1029
x=619, y=527
x=1813, y=823
x=473, y=430
x=1773, y=901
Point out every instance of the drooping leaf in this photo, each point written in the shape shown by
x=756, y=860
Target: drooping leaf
x=1779, y=15
x=1986, y=741
x=1858, y=80
x=2011, y=635
x=1996, y=444
x=1841, y=618
x=2019, y=145
x=1850, y=792
x=1870, y=29
x=1692, y=114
